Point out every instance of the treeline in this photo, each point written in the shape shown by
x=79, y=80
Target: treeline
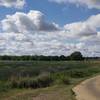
x=92, y=58
x=73, y=56
x=35, y=58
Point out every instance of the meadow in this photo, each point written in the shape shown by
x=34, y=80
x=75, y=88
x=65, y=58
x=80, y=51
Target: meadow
x=25, y=80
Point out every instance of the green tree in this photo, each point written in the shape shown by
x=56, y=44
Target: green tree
x=76, y=56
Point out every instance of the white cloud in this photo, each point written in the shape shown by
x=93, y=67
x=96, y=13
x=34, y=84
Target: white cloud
x=89, y=3
x=80, y=29
x=45, y=44
x=84, y=29
x=48, y=38
x=42, y=44
x=12, y=3
x=30, y=22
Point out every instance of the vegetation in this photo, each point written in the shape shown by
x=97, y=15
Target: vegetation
x=73, y=56
x=76, y=56
x=38, y=82
x=25, y=77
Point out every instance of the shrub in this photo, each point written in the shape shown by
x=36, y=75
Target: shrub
x=79, y=74
x=44, y=80
x=61, y=78
x=4, y=86
x=66, y=80
x=38, y=82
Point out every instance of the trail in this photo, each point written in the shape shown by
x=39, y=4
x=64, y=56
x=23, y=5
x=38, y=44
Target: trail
x=88, y=90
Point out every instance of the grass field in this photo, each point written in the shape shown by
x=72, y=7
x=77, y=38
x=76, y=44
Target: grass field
x=33, y=80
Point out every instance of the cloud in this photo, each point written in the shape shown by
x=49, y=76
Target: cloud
x=30, y=34
x=84, y=29
x=89, y=3
x=12, y=3
x=43, y=44
x=30, y=22
x=37, y=44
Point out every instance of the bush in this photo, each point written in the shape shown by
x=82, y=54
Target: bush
x=4, y=86
x=38, y=82
x=61, y=78
x=66, y=80
x=44, y=80
x=79, y=74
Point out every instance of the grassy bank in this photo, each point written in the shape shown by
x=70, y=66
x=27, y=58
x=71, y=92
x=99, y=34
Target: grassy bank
x=27, y=80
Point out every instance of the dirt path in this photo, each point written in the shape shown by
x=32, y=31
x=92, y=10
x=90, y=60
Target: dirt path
x=88, y=90
x=46, y=96
x=50, y=96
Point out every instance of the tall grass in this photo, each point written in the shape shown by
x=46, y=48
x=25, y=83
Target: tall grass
x=28, y=74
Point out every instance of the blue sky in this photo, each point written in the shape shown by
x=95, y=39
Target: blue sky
x=59, y=13
x=69, y=25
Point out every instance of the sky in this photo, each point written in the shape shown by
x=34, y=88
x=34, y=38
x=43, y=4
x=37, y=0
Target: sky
x=49, y=27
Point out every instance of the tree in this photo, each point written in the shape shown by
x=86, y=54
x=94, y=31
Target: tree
x=76, y=56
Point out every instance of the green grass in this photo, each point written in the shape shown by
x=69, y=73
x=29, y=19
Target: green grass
x=24, y=80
